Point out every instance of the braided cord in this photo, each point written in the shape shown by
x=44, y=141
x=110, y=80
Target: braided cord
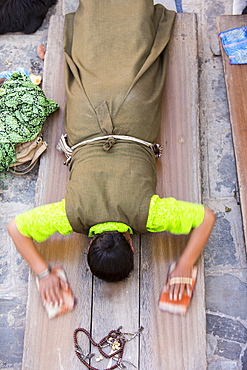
x=113, y=334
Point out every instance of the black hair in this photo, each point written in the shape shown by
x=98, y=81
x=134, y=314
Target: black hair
x=23, y=16
x=110, y=256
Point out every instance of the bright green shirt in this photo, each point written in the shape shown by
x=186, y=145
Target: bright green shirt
x=165, y=214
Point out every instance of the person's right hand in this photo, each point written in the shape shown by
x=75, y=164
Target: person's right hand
x=51, y=289
x=176, y=290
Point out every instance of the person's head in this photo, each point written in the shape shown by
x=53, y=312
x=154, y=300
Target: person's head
x=110, y=256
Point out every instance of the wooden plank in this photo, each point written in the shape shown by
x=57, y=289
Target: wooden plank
x=236, y=81
x=48, y=344
x=169, y=341
x=117, y=304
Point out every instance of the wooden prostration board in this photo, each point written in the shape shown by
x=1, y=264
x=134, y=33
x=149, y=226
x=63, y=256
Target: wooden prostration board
x=167, y=341
x=236, y=82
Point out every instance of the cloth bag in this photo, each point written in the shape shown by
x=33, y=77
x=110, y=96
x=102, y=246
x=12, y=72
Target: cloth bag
x=27, y=155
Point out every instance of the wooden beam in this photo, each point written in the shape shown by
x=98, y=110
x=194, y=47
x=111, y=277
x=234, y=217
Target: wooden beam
x=169, y=341
x=49, y=343
x=236, y=82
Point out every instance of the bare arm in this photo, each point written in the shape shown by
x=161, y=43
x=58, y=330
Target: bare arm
x=197, y=241
x=51, y=286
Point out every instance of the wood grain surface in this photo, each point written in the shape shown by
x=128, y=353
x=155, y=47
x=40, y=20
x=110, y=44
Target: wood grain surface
x=169, y=341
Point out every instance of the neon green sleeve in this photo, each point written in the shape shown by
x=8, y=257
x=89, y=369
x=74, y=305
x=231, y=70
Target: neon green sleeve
x=177, y=217
x=41, y=222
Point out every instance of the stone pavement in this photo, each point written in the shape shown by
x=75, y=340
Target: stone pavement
x=225, y=254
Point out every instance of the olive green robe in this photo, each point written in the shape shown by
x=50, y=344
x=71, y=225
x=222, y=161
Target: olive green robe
x=115, y=70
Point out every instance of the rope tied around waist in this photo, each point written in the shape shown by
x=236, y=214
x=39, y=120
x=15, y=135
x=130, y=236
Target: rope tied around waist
x=110, y=141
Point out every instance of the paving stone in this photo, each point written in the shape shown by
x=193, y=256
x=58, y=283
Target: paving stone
x=225, y=328
x=3, y=270
x=227, y=170
x=9, y=305
x=244, y=360
x=212, y=10
x=227, y=294
x=214, y=115
x=230, y=350
x=20, y=51
x=18, y=189
x=12, y=343
x=225, y=248
x=12, y=321
x=221, y=250
x=13, y=269
x=223, y=365
x=222, y=171
x=218, y=118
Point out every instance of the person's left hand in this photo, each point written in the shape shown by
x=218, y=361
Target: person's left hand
x=51, y=289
